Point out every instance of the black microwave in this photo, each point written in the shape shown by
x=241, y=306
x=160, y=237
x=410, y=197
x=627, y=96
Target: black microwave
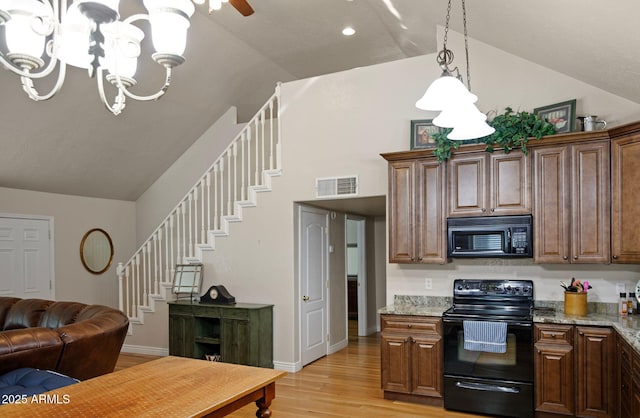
x=490, y=236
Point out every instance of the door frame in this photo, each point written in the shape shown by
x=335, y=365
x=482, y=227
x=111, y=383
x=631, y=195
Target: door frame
x=49, y=219
x=362, y=271
x=299, y=295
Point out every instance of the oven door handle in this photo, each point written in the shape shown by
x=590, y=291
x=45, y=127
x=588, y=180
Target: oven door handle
x=486, y=387
x=459, y=321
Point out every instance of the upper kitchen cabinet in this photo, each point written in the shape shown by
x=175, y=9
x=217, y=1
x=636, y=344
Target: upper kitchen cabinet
x=416, y=202
x=486, y=184
x=571, y=203
x=625, y=193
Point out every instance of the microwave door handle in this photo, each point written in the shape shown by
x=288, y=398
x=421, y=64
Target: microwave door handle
x=509, y=250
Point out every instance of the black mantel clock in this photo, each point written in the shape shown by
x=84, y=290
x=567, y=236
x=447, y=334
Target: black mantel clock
x=218, y=295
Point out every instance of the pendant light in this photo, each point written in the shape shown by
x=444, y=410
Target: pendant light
x=449, y=95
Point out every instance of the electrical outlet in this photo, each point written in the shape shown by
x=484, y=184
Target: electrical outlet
x=428, y=284
x=620, y=288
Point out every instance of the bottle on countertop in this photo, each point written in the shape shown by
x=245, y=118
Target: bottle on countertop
x=631, y=305
x=624, y=304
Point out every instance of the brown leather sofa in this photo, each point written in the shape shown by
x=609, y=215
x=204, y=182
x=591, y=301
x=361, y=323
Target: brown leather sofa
x=78, y=340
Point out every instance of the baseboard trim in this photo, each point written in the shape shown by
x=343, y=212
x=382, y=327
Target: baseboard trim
x=287, y=367
x=141, y=349
x=338, y=346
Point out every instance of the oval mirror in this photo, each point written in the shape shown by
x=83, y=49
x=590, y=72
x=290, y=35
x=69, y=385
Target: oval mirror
x=96, y=251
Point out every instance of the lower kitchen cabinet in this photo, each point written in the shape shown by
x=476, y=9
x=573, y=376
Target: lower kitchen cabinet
x=239, y=334
x=582, y=354
x=554, y=360
x=411, y=358
x=629, y=375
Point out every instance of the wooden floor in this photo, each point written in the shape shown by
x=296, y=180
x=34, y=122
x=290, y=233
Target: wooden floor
x=344, y=384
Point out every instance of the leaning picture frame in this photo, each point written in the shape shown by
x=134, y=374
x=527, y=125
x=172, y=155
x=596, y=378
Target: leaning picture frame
x=422, y=131
x=561, y=115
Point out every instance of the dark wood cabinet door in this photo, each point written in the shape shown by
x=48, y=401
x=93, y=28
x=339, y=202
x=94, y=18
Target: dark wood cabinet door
x=417, y=227
x=591, y=216
x=235, y=341
x=510, y=179
x=625, y=192
x=401, y=211
x=595, y=372
x=181, y=342
x=431, y=239
x=625, y=378
x=554, y=378
x=551, y=185
x=468, y=185
x=395, y=357
x=426, y=358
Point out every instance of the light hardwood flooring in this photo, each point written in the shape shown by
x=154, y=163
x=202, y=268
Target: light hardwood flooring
x=342, y=385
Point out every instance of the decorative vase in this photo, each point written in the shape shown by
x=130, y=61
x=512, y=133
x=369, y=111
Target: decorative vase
x=575, y=303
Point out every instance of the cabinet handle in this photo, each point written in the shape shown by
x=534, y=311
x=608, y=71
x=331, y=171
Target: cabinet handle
x=484, y=210
x=553, y=335
x=419, y=258
x=493, y=210
x=409, y=325
x=575, y=257
x=413, y=259
x=615, y=257
x=565, y=258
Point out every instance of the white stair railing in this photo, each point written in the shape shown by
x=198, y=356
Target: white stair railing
x=244, y=168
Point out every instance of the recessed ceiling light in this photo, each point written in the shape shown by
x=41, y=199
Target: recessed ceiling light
x=348, y=31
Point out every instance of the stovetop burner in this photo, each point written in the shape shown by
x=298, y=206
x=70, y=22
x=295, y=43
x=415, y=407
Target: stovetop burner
x=492, y=300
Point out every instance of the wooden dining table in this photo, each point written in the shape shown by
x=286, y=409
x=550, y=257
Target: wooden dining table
x=167, y=387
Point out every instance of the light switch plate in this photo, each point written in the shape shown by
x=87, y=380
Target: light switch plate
x=428, y=284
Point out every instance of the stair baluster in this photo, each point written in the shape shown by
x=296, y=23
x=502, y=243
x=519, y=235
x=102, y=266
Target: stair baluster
x=244, y=168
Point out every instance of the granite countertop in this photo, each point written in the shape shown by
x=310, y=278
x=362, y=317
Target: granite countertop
x=600, y=315
x=420, y=310
x=627, y=326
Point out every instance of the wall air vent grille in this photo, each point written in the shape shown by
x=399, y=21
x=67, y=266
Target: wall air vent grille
x=337, y=186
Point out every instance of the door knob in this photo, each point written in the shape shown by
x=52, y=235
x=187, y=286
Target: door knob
x=305, y=298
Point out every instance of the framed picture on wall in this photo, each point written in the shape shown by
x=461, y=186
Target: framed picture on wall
x=422, y=133
x=561, y=115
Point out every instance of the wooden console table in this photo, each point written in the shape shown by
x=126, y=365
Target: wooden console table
x=167, y=387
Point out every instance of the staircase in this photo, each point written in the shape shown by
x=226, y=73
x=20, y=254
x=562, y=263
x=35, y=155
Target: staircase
x=243, y=169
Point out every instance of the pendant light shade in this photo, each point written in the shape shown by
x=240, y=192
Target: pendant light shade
x=169, y=29
x=444, y=93
x=74, y=39
x=471, y=129
x=458, y=115
x=27, y=28
x=449, y=95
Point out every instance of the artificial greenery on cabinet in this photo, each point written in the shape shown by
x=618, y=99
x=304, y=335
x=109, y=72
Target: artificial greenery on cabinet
x=513, y=131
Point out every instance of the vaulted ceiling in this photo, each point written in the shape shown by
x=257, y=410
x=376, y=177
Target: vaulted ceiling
x=71, y=144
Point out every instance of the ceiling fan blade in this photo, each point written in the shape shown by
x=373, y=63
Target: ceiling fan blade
x=242, y=6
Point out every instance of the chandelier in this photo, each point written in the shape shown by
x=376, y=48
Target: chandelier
x=43, y=35
x=449, y=95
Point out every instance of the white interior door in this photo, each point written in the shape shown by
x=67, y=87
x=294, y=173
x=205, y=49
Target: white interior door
x=26, y=258
x=314, y=266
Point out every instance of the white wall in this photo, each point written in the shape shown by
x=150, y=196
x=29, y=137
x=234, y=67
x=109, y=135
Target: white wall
x=164, y=194
x=73, y=216
x=338, y=125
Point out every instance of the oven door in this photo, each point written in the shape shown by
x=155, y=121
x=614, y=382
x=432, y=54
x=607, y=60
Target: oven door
x=516, y=364
x=489, y=383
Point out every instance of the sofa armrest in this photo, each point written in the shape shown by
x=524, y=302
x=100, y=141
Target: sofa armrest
x=92, y=345
x=39, y=348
